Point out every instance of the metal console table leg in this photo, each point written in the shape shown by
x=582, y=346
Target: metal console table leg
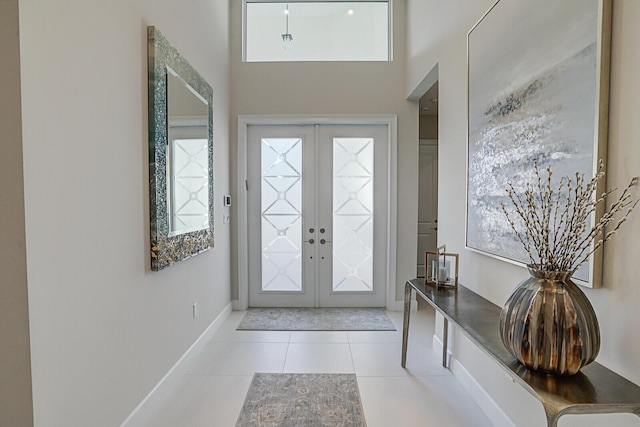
x=405, y=323
x=445, y=343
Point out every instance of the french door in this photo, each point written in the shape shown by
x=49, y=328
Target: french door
x=317, y=207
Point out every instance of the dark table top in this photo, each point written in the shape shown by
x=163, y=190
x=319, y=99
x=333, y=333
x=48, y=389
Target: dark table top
x=478, y=319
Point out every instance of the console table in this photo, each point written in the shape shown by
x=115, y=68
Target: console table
x=595, y=389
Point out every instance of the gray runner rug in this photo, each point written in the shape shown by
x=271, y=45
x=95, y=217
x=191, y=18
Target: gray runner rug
x=302, y=400
x=316, y=319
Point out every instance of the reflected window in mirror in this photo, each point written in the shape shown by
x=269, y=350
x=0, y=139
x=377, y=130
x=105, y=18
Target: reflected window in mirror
x=188, y=160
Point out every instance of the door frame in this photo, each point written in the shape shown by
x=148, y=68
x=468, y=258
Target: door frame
x=244, y=121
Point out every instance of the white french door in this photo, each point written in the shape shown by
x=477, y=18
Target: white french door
x=317, y=215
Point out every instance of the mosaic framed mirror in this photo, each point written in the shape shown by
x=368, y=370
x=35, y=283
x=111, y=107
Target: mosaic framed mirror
x=180, y=155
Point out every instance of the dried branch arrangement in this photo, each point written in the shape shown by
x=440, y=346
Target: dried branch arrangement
x=552, y=223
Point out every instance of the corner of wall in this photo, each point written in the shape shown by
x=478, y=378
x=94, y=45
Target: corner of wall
x=16, y=403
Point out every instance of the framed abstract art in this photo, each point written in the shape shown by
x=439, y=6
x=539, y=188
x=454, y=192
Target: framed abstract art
x=538, y=73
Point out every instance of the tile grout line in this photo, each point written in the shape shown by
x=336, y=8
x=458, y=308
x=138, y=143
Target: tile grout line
x=286, y=354
x=353, y=362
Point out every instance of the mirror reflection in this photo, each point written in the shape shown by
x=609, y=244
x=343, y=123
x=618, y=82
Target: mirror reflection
x=188, y=159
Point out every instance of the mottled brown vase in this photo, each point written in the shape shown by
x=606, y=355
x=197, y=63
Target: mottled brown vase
x=549, y=325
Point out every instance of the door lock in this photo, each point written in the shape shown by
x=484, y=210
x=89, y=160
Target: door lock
x=312, y=230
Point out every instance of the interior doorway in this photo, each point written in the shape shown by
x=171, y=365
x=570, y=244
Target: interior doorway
x=428, y=176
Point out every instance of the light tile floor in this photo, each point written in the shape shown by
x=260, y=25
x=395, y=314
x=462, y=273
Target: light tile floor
x=212, y=390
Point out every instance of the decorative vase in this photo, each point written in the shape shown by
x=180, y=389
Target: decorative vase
x=549, y=325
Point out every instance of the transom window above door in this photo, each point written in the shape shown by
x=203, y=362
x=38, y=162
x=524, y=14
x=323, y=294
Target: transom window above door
x=316, y=31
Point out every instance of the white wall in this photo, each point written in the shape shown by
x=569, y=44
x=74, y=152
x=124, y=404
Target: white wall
x=437, y=35
x=15, y=367
x=347, y=88
x=104, y=328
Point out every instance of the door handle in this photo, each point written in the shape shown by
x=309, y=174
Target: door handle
x=311, y=241
x=435, y=228
x=323, y=241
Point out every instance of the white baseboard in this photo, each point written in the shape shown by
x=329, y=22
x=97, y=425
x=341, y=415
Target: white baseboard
x=436, y=344
x=173, y=375
x=490, y=408
x=399, y=305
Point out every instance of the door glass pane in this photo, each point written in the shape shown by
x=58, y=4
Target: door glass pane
x=281, y=209
x=353, y=214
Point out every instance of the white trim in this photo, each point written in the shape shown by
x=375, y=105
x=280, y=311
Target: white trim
x=429, y=80
x=244, y=31
x=390, y=31
x=392, y=212
x=242, y=219
x=391, y=121
x=428, y=142
x=178, y=368
x=436, y=345
x=316, y=203
x=491, y=409
x=312, y=1
x=180, y=121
